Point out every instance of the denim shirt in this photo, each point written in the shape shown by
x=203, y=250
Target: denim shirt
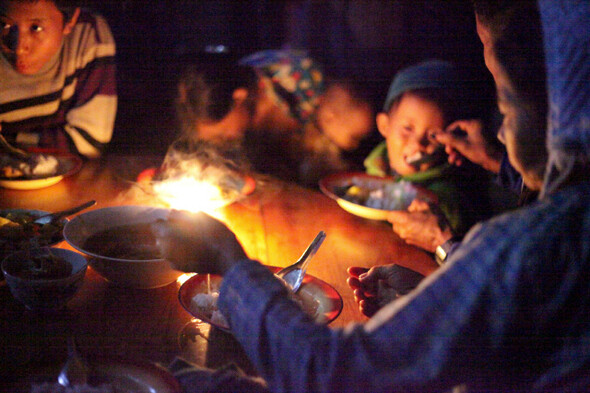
x=508, y=311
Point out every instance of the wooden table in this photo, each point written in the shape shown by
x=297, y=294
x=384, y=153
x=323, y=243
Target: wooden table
x=274, y=225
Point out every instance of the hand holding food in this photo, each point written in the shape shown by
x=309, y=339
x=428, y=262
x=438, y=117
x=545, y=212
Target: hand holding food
x=464, y=139
x=196, y=242
x=419, y=226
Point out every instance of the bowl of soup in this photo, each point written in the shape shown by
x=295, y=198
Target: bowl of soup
x=44, y=279
x=120, y=245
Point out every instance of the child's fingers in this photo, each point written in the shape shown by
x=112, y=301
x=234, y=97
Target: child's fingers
x=418, y=205
x=398, y=217
x=353, y=283
x=356, y=271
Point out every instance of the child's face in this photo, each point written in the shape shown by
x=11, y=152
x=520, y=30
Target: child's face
x=344, y=121
x=407, y=129
x=32, y=33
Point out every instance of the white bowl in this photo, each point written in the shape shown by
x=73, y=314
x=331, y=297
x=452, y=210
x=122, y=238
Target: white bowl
x=134, y=273
x=44, y=294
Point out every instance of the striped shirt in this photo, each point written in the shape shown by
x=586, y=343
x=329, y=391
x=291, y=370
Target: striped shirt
x=71, y=103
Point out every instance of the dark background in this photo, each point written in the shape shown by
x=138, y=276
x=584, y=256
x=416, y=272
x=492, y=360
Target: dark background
x=369, y=40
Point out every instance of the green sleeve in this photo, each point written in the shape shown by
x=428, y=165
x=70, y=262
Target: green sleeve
x=377, y=162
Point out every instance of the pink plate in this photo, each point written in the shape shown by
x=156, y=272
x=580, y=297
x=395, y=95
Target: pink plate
x=317, y=297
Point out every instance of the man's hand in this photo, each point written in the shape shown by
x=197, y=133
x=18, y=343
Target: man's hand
x=374, y=288
x=419, y=226
x=464, y=139
x=196, y=242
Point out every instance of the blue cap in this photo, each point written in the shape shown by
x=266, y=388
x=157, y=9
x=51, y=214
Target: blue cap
x=435, y=74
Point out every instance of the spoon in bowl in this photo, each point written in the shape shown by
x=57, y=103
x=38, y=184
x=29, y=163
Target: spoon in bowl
x=53, y=217
x=13, y=151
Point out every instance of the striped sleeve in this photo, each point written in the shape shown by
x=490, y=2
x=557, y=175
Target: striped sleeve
x=91, y=117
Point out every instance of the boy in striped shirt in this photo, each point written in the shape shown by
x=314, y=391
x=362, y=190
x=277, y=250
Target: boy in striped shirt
x=57, y=76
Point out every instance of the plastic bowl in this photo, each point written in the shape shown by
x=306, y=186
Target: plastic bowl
x=44, y=294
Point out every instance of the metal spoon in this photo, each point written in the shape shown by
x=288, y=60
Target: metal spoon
x=75, y=371
x=438, y=155
x=53, y=217
x=13, y=151
x=293, y=274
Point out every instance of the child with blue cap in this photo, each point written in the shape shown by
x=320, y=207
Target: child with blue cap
x=423, y=99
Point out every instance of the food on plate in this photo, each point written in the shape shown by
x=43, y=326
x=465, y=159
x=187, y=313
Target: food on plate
x=205, y=303
x=383, y=195
x=36, y=166
x=19, y=231
x=43, y=266
x=133, y=241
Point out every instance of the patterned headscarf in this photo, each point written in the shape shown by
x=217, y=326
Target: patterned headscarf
x=567, y=50
x=291, y=78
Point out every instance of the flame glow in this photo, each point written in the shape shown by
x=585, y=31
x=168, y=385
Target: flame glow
x=188, y=193
x=183, y=278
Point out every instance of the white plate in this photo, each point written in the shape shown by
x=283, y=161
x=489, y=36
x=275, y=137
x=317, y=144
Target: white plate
x=68, y=165
x=333, y=184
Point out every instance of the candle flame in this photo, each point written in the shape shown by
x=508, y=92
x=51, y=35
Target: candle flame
x=191, y=194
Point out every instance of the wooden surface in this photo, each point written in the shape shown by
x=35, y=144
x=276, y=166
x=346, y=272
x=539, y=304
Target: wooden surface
x=274, y=224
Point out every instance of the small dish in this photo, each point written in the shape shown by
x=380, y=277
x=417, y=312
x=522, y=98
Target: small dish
x=336, y=186
x=68, y=165
x=317, y=297
x=46, y=235
x=44, y=279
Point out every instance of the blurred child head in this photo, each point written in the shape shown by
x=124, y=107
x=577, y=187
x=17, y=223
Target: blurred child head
x=33, y=31
x=422, y=99
x=216, y=98
x=344, y=115
x=220, y=97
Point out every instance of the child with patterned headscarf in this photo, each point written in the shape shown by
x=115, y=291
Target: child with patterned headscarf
x=280, y=95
